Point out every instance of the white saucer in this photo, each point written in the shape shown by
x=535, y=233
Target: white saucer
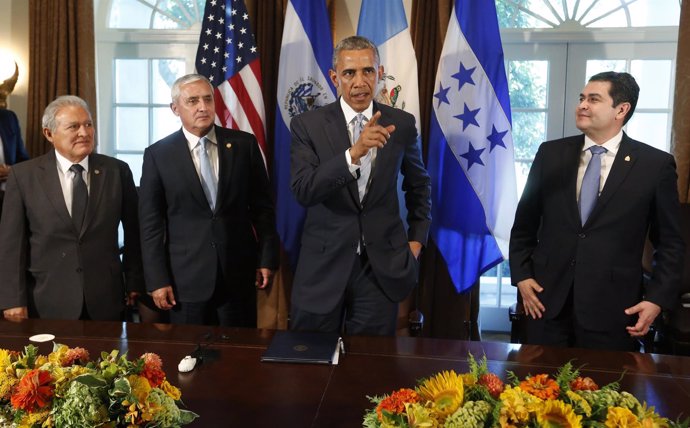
x=42, y=337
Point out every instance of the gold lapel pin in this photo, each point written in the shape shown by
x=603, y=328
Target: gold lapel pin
x=627, y=158
x=228, y=146
x=96, y=171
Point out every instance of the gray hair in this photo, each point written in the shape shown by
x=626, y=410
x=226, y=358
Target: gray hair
x=187, y=78
x=49, y=121
x=355, y=43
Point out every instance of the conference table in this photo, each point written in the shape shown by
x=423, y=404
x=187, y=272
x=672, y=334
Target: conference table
x=236, y=389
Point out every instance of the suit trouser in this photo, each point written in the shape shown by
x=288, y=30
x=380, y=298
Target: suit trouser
x=233, y=304
x=363, y=310
x=565, y=330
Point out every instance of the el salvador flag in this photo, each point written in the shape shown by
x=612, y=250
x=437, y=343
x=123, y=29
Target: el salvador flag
x=303, y=84
x=384, y=23
x=471, y=160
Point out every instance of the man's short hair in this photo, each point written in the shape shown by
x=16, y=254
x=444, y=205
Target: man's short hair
x=355, y=43
x=49, y=121
x=187, y=78
x=624, y=89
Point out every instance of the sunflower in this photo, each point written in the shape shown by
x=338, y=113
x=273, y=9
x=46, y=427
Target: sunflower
x=516, y=406
x=620, y=417
x=541, y=386
x=445, y=391
x=555, y=413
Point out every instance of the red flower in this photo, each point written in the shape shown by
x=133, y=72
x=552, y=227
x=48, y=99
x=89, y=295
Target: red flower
x=153, y=375
x=76, y=355
x=395, y=403
x=34, y=391
x=583, y=384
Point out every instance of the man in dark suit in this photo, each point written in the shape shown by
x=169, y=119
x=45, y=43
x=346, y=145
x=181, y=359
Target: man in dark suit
x=357, y=261
x=207, y=216
x=589, y=204
x=59, y=250
x=11, y=147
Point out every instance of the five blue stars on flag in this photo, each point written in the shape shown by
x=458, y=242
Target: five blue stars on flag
x=468, y=117
x=227, y=43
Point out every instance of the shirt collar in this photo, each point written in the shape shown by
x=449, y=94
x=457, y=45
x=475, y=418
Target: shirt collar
x=611, y=145
x=193, y=140
x=64, y=164
x=350, y=113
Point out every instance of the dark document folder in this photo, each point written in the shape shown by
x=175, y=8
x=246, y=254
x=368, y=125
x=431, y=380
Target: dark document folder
x=303, y=347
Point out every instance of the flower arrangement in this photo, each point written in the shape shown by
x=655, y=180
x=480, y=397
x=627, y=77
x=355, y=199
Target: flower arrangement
x=66, y=389
x=480, y=399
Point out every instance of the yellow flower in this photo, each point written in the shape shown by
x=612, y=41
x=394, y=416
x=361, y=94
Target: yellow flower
x=555, y=413
x=620, y=417
x=58, y=355
x=4, y=359
x=32, y=419
x=172, y=391
x=418, y=416
x=517, y=405
x=7, y=382
x=580, y=403
x=468, y=379
x=445, y=390
x=140, y=387
x=650, y=419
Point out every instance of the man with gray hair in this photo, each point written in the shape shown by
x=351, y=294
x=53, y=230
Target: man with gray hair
x=207, y=218
x=59, y=249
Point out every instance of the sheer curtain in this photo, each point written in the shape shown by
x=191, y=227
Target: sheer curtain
x=62, y=60
x=680, y=136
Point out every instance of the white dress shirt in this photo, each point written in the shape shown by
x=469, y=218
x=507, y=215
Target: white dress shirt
x=607, y=158
x=370, y=157
x=211, y=149
x=66, y=177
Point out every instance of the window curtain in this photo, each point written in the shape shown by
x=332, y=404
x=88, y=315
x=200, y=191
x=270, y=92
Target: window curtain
x=62, y=61
x=680, y=135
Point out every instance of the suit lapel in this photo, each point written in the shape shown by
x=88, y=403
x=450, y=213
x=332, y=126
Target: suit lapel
x=97, y=177
x=571, y=160
x=335, y=129
x=51, y=187
x=226, y=156
x=622, y=164
x=382, y=155
x=185, y=165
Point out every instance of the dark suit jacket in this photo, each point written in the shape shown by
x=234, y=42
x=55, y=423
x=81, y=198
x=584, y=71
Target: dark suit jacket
x=12, y=144
x=602, y=260
x=48, y=265
x=183, y=241
x=322, y=182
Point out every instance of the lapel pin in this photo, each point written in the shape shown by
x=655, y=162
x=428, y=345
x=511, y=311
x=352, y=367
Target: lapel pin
x=228, y=145
x=627, y=158
x=96, y=171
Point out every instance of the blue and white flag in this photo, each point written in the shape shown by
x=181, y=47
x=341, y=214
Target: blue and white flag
x=384, y=23
x=471, y=160
x=303, y=84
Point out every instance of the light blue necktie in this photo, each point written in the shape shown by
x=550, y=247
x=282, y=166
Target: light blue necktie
x=589, y=191
x=364, y=171
x=208, y=179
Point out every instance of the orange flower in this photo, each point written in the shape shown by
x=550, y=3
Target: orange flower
x=76, y=356
x=34, y=391
x=395, y=403
x=153, y=375
x=583, y=384
x=541, y=387
x=152, y=360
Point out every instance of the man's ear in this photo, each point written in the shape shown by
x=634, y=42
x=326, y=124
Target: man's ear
x=48, y=134
x=173, y=107
x=622, y=109
x=380, y=73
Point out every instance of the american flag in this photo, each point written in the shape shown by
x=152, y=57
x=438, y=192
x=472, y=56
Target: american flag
x=228, y=56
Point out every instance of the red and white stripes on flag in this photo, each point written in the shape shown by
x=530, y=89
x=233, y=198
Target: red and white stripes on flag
x=228, y=56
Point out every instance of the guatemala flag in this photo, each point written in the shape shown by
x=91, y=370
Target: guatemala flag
x=303, y=84
x=471, y=159
x=385, y=24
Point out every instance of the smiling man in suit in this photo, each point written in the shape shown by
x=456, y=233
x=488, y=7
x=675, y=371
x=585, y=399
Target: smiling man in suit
x=357, y=261
x=59, y=249
x=12, y=148
x=589, y=204
x=207, y=217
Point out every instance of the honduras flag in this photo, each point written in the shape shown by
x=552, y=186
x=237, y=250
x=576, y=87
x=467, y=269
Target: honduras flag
x=385, y=24
x=303, y=84
x=471, y=159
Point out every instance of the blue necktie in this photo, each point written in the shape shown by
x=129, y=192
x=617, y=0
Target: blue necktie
x=208, y=179
x=589, y=191
x=364, y=171
x=80, y=196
